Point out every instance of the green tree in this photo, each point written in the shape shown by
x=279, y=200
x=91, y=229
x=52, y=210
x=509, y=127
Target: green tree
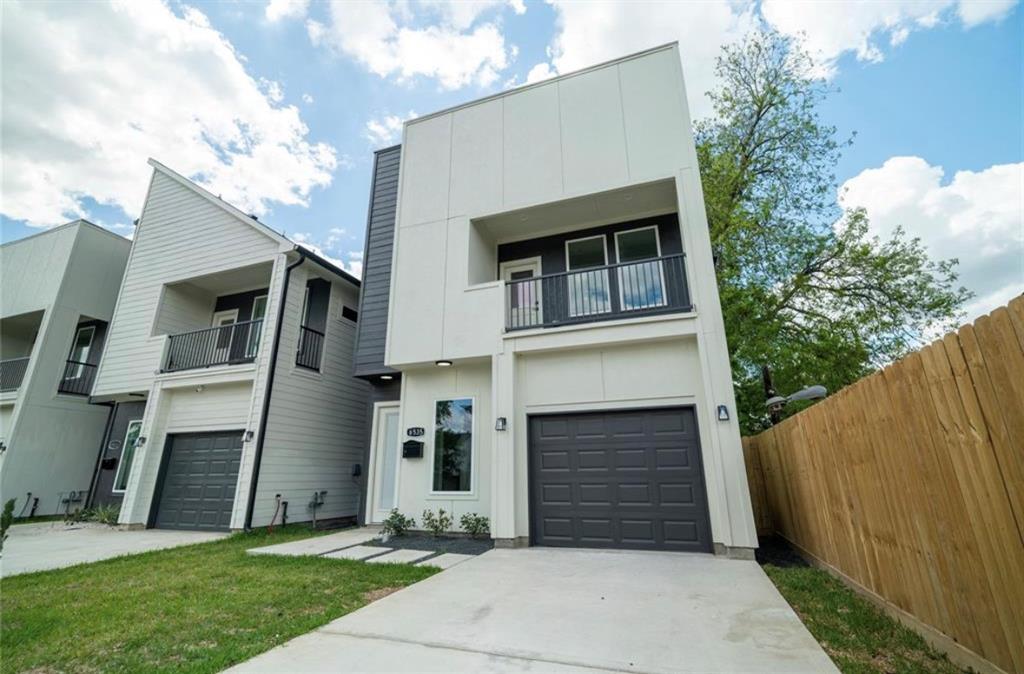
x=805, y=289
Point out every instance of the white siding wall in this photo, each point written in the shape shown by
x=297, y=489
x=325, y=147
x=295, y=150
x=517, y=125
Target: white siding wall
x=183, y=308
x=317, y=424
x=180, y=235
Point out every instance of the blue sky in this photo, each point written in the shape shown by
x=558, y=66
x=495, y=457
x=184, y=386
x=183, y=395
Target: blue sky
x=278, y=106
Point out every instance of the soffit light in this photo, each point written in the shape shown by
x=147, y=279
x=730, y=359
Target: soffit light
x=443, y=363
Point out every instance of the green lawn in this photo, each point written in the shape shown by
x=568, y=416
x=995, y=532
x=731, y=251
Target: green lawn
x=856, y=635
x=192, y=609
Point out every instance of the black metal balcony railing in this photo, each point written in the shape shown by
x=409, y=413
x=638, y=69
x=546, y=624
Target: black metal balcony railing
x=12, y=371
x=78, y=378
x=602, y=293
x=311, y=346
x=224, y=345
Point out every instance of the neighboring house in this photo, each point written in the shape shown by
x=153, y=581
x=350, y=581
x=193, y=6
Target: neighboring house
x=541, y=322
x=57, y=294
x=229, y=364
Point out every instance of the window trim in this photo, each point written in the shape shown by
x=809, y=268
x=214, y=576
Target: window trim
x=604, y=243
x=657, y=242
x=471, y=493
x=266, y=305
x=120, y=462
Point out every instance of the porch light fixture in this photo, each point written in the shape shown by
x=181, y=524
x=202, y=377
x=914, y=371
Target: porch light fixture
x=723, y=413
x=140, y=441
x=500, y=424
x=443, y=363
x=247, y=437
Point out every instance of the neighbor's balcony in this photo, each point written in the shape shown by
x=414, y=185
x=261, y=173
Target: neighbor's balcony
x=78, y=378
x=615, y=291
x=225, y=345
x=311, y=347
x=12, y=372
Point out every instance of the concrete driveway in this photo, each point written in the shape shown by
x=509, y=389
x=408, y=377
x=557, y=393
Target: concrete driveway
x=550, y=610
x=38, y=547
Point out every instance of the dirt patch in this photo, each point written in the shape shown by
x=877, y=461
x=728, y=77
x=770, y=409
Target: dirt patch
x=379, y=593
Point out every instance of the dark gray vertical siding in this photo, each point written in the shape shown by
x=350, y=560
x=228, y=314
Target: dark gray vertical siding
x=380, y=234
x=111, y=455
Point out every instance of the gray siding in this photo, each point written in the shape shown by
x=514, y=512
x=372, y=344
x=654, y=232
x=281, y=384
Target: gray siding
x=316, y=427
x=380, y=238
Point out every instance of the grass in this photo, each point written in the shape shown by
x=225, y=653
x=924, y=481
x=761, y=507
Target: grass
x=858, y=637
x=37, y=518
x=198, y=608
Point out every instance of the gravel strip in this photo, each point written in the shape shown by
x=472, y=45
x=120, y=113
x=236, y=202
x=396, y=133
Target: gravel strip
x=460, y=545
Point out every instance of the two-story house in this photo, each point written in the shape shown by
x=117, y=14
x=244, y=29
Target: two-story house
x=228, y=363
x=57, y=294
x=541, y=323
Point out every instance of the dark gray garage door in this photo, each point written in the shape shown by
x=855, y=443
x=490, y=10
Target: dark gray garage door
x=198, y=486
x=629, y=479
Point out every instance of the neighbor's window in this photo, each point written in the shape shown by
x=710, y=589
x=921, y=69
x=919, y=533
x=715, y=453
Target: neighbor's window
x=124, y=466
x=453, y=444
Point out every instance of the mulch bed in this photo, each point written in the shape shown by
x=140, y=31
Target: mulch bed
x=441, y=544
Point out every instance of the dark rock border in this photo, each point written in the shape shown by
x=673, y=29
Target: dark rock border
x=458, y=544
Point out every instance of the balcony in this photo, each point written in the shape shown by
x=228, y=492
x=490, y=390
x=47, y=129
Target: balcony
x=600, y=293
x=78, y=378
x=12, y=372
x=230, y=344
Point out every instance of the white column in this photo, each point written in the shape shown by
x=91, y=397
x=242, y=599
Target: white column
x=503, y=505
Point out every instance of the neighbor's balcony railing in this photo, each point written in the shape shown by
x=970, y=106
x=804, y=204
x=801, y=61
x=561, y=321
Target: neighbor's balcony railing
x=78, y=378
x=613, y=291
x=224, y=345
x=12, y=371
x=311, y=346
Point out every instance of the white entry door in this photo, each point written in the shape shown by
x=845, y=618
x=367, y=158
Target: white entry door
x=524, y=305
x=385, y=461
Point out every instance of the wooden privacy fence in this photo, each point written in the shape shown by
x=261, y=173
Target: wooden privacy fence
x=910, y=484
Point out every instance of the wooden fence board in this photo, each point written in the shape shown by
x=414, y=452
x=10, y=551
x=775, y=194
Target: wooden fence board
x=910, y=483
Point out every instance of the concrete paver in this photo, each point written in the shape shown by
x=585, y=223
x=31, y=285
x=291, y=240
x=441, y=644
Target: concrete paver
x=318, y=545
x=540, y=609
x=39, y=547
x=400, y=557
x=356, y=552
x=445, y=561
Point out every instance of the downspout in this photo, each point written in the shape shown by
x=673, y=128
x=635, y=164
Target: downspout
x=270, y=387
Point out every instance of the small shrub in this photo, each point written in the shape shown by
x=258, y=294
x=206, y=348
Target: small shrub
x=475, y=525
x=396, y=524
x=104, y=514
x=6, y=519
x=437, y=524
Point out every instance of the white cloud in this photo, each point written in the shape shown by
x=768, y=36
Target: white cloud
x=978, y=217
x=307, y=99
x=431, y=39
x=90, y=90
x=830, y=29
x=539, y=72
x=286, y=9
x=518, y=6
x=387, y=129
x=592, y=32
x=329, y=250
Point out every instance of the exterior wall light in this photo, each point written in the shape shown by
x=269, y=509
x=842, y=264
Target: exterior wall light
x=140, y=441
x=386, y=377
x=723, y=413
x=443, y=363
x=248, y=436
x=500, y=424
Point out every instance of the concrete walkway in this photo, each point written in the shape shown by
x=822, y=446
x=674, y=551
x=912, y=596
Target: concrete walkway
x=348, y=544
x=543, y=609
x=38, y=547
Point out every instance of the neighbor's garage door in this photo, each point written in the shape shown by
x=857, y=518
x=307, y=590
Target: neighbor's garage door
x=198, y=487
x=628, y=479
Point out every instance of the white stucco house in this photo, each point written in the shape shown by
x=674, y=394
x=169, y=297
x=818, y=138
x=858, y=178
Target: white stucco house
x=228, y=363
x=540, y=321
x=57, y=294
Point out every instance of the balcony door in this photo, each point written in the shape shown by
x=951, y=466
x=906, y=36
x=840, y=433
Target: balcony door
x=640, y=274
x=222, y=339
x=524, y=299
x=259, y=312
x=587, y=282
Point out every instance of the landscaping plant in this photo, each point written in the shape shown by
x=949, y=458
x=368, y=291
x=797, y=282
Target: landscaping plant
x=396, y=524
x=475, y=525
x=5, y=521
x=104, y=514
x=437, y=524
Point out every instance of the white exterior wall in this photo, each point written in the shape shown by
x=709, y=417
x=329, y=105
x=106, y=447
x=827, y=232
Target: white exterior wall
x=317, y=423
x=181, y=235
x=614, y=126
x=70, y=274
x=421, y=389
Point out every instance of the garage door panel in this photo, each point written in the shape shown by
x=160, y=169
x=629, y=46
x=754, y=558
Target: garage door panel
x=637, y=486
x=199, y=481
